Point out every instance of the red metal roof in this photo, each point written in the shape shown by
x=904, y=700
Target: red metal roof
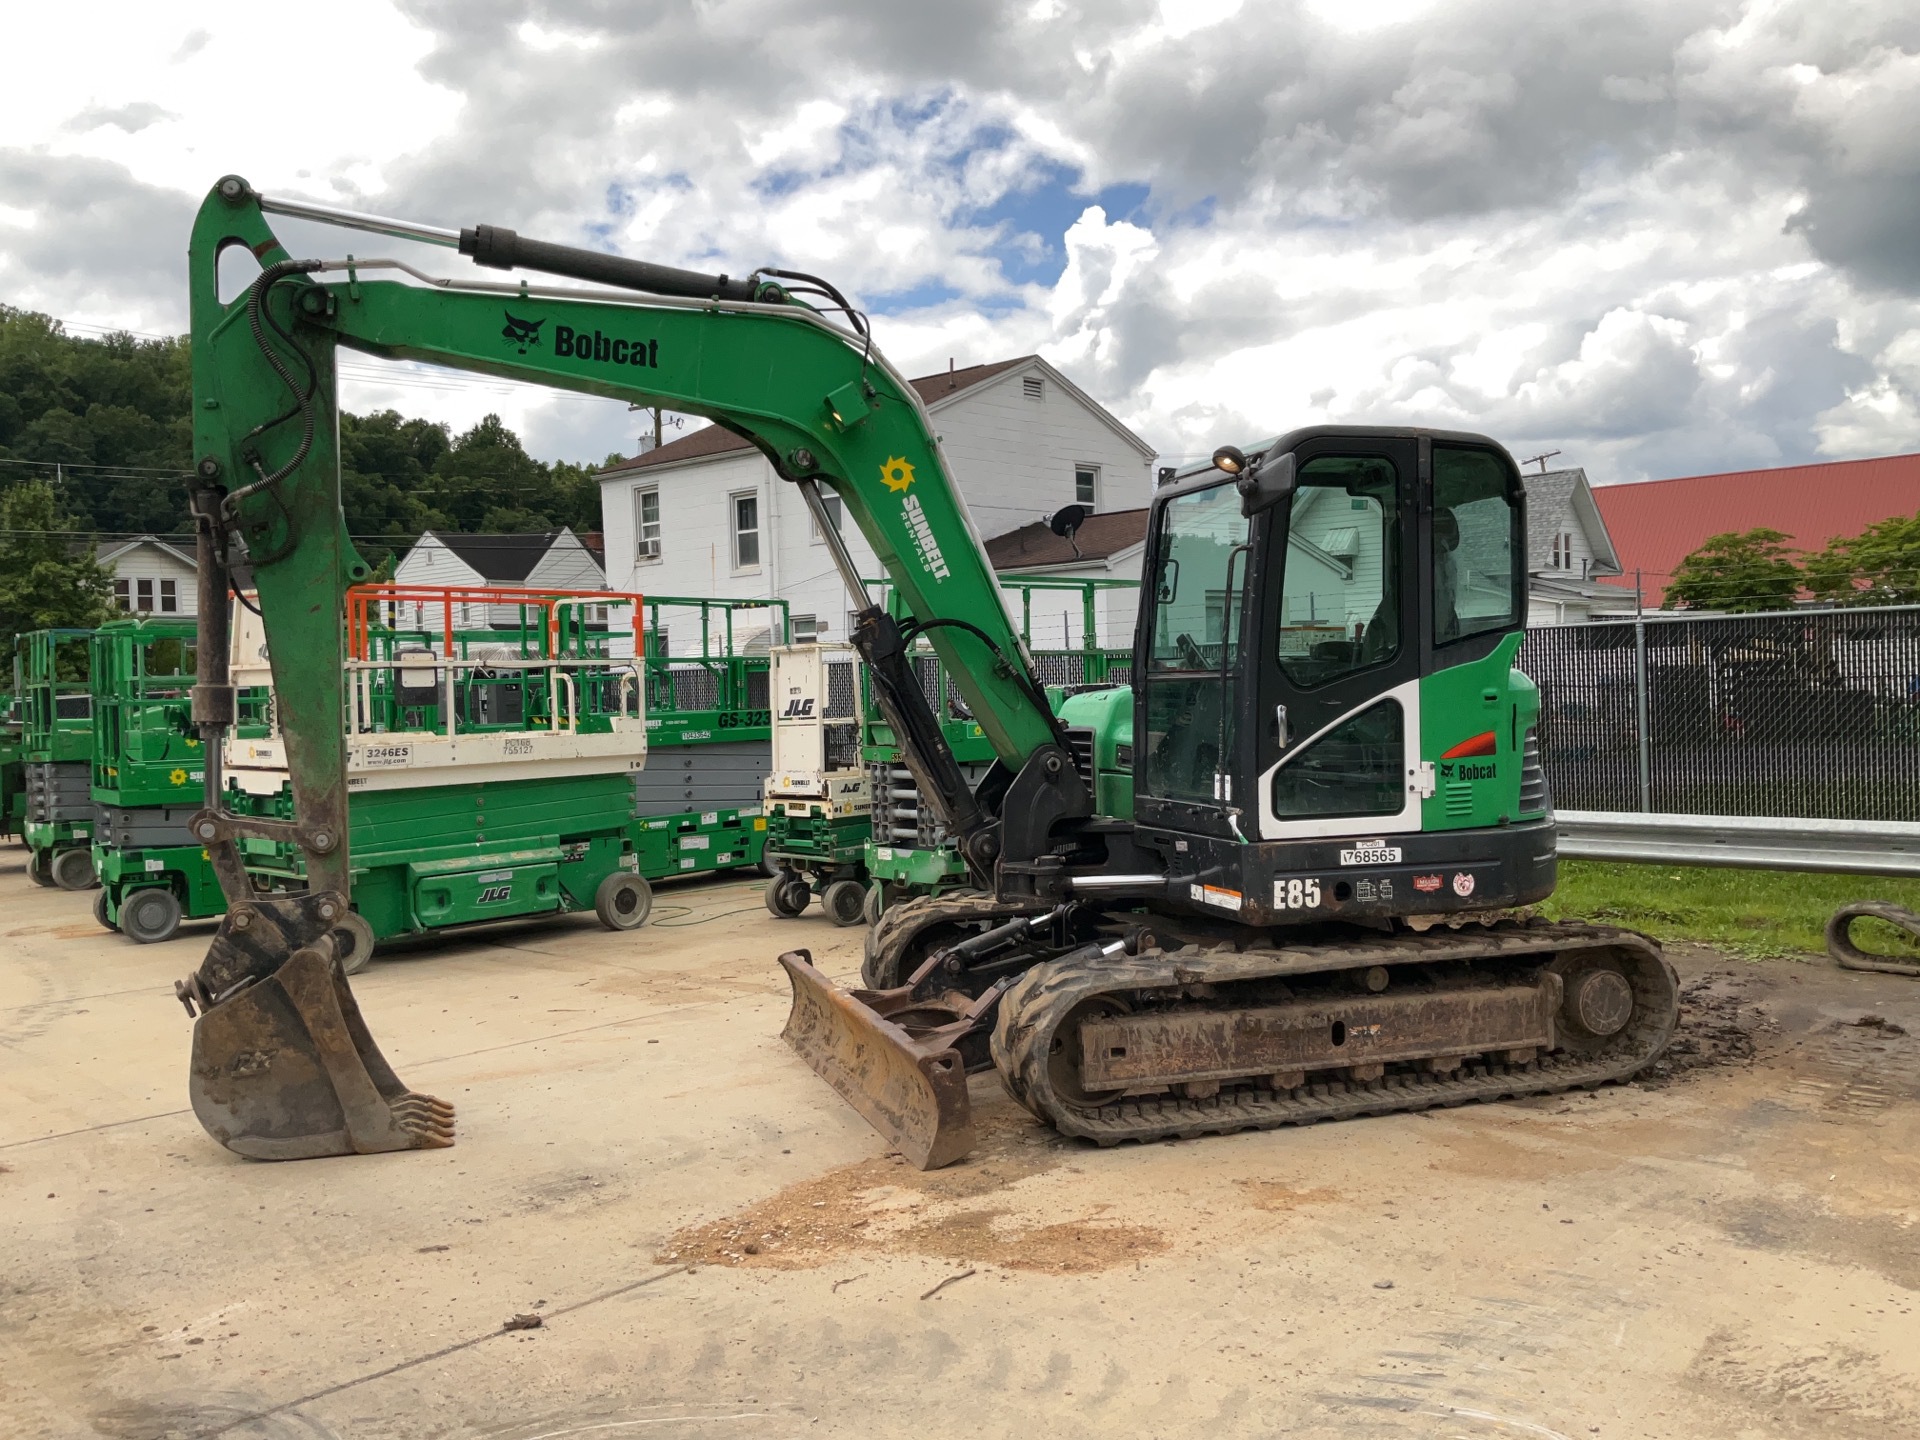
x=1655, y=524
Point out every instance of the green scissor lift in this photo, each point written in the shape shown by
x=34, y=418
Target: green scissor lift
x=697, y=804
x=13, y=770
x=429, y=856
x=56, y=748
x=149, y=777
x=491, y=740
x=846, y=820
x=907, y=853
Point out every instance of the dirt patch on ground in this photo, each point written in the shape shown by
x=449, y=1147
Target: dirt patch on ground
x=1722, y=1022
x=885, y=1206
x=1278, y=1197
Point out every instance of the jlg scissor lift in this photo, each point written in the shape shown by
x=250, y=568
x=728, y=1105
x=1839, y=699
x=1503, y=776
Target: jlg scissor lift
x=698, y=805
x=492, y=738
x=149, y=774
x=56, y=748
x=909, y=852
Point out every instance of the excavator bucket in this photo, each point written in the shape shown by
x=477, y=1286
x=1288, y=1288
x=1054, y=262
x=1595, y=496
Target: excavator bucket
x=284, y=1069
x=892, y=1056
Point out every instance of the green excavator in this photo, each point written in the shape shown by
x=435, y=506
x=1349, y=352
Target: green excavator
x=1277, y=879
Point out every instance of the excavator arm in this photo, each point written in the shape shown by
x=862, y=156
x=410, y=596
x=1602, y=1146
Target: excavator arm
x=283, y=1065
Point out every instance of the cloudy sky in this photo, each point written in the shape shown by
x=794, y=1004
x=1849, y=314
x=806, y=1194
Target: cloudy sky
x=1660, y=238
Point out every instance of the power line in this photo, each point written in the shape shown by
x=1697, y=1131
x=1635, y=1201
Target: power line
x=82, y=465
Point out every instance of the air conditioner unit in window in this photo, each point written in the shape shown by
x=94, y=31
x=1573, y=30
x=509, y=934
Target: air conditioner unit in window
x=1343, y=542
x=647, y=550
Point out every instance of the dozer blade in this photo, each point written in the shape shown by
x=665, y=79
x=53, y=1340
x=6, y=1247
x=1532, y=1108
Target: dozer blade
x=891, y=1056
x=284, y=1069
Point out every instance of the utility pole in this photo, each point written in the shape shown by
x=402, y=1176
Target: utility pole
x=662, y=422
x=1540, y=460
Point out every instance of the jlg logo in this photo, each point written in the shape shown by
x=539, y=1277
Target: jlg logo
x=494, y=893
x=798, y=710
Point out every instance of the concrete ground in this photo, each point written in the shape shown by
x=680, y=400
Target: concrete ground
x=718, y=1247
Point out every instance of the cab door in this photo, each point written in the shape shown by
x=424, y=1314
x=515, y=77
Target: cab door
x=1335, y=727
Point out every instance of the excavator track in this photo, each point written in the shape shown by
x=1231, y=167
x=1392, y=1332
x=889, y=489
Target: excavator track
x=908, y=931
x=1215, y=1009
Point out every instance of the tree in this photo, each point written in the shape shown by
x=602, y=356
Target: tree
x=1879, y=566
x=44, y=579
x=1738, y=572
x=115, y=410
x=116, y=415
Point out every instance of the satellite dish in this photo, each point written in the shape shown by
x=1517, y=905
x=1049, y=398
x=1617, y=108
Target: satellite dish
x=1065, y=521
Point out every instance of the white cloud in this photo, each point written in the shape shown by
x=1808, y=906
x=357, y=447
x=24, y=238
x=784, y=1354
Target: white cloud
x=1658, y=235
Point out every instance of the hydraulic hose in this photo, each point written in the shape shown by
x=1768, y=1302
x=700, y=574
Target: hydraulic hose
x=258, y=319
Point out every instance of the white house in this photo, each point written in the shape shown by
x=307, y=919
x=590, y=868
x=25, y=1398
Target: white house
x=707, y=516
x=556, y=560
x=151, y=577
x=1106, y=548
x=1568, y=549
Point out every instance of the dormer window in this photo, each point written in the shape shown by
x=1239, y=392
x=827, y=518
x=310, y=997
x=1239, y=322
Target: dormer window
x=1562, y=551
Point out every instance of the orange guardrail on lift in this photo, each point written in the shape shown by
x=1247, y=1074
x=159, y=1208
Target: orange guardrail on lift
x=364, y=617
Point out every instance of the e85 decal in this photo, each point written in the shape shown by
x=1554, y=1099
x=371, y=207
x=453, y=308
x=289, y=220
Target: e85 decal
x=1296, y=894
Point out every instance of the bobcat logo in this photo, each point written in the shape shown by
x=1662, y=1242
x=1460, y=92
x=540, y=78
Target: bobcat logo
x=521, y=332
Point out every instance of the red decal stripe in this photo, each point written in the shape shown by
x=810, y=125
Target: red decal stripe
x=1486, y=743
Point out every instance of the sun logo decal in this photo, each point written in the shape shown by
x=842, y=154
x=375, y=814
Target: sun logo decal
x=177, y=777
x=897, y=473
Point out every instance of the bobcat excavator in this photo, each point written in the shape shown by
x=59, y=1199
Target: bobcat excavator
x=1272, y=882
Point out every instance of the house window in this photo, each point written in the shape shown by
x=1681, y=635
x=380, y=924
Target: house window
x=1035, y=387
x=1562, y=551
x=746, y=531
x=831, y=504
x=805, y=629
x=123, y=594
x=169, y=597
x=1086, y=482
x=646, y=523
x=143, y=596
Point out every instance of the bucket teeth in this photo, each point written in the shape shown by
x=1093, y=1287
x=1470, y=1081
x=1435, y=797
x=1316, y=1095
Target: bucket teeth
x=284, y=1068
x=429, y=1119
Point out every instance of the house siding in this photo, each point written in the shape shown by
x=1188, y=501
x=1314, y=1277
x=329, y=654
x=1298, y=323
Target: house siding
x=567, y=565
x=144, y=561
x=1012, y=460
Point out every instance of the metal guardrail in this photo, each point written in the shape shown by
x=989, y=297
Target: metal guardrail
x=1860, y=847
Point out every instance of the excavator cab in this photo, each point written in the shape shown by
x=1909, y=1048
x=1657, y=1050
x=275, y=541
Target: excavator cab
x=1325, y=664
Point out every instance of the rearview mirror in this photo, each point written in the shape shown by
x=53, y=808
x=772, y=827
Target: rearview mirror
x=1265, y=483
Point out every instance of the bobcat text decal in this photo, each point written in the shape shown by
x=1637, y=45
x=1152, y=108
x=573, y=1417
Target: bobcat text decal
x=604, y=349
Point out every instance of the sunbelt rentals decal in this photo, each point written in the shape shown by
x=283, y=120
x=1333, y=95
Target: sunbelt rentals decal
x=897, y=476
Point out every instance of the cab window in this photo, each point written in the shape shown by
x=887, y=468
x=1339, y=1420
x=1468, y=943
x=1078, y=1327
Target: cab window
x=1340, y=590
x=1199, y=575
x=1477, y=575
x=1356, y=768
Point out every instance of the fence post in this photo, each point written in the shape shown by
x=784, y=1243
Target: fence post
x=1640, y=713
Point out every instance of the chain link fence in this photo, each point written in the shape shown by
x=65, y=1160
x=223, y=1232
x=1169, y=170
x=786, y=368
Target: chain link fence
x=1812, y=714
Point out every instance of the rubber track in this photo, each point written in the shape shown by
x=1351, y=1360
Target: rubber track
x=1034, y=1008
x=888, y=940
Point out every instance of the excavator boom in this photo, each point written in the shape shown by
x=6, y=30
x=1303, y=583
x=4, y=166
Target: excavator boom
x=276, y=1019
